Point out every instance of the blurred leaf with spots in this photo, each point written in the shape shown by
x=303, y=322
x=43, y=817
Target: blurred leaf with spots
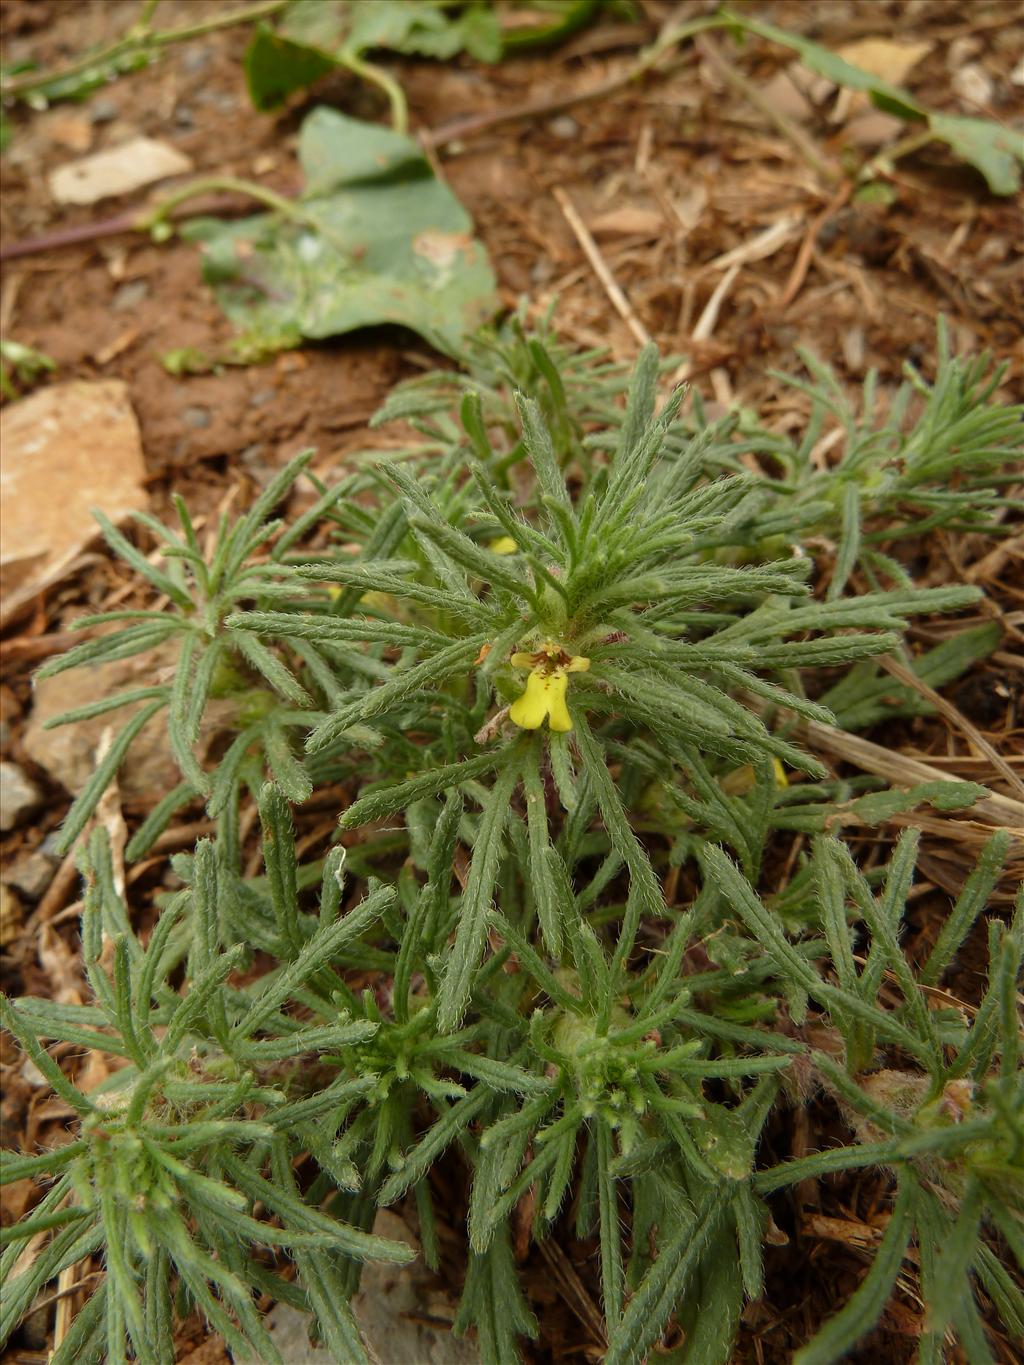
x=376, y=239
x=314, y=37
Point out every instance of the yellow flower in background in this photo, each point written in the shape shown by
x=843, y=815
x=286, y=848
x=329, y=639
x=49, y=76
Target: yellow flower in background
x=741, y=780
x=546, y=687
x=383, y=601
x=504, y=545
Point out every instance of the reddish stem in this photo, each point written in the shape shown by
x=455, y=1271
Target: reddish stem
x=220, y=205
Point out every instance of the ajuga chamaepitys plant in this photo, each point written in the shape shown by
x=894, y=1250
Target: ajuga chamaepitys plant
x=549, y=661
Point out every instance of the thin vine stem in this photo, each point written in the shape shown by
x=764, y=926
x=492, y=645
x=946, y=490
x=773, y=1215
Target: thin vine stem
x=368, y=71
x=210, y=184
x=138, y=38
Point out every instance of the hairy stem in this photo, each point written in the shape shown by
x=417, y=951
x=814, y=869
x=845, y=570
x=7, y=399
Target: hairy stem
x=137, y=39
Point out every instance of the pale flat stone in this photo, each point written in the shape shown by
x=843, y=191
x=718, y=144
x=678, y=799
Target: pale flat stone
x=289, y=1330
x=784, y=96
x=974, y=86
x=31, y=875
x=66, y=449
x=873, y=128
x=19, y=796
x=119, y=170
x=68, y=753
x=389, y=1298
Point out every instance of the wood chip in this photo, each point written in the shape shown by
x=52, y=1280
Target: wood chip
x=628, y=221
x=120, y=170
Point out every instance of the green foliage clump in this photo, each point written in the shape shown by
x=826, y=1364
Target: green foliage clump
x=21, y=367
x=551, y=655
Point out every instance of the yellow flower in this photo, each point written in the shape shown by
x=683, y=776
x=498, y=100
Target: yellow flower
x=546, y=687
x=544, y=698
x=504, y=545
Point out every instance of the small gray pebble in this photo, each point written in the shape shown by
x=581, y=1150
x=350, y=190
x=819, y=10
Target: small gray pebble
x=262, y=397
x=31, y=875
x=196, y=59
x=251, y=452
x=19, y=796
x=564, y=127
x=197, y=417
x=184, y=117
x=50, y=847
x=542, y=271
x=129, y=296
x=103, y=111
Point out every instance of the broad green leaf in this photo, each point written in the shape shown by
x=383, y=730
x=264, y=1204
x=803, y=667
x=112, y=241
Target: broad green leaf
x=317, y=23
x=316, y=36
x=336, y=151
x=275, y=66
x=377, y=239
x=997, y=152
x=560, y=21
x=423, y=29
